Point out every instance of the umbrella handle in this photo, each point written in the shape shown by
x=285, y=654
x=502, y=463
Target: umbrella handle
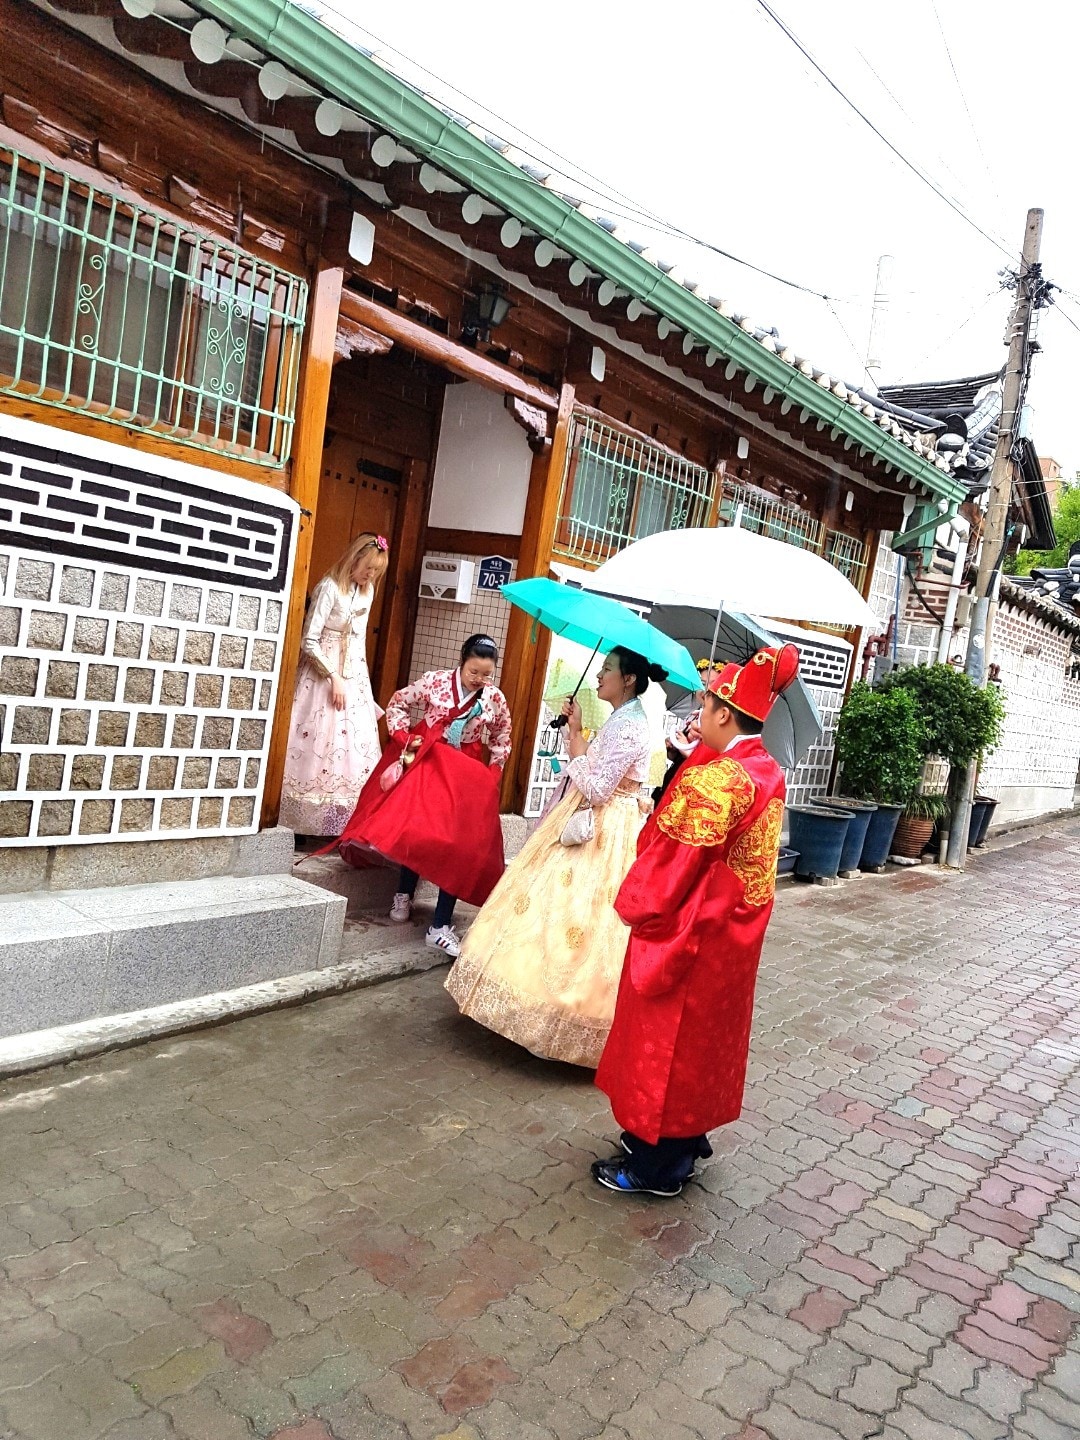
x=561, y=720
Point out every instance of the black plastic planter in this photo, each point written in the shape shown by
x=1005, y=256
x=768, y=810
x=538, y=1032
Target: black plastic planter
x=879, y=836
x=978, y=836
x=861, y=812
x=818, y=835
x=978, y=815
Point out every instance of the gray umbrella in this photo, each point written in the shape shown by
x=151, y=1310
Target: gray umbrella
x=794, y=723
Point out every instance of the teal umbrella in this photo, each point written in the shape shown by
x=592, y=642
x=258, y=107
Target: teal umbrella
x=595, y=620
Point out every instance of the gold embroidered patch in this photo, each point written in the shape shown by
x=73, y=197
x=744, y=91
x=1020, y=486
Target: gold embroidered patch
x=521, y=904
x=706, y=801
x=574, y=936
x=754, y=855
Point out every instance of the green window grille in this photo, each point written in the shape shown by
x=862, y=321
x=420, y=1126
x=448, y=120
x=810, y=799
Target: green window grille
x=120, y=312
x=764, y=514
x=757, y=510
x=847, y=554
x=618, y=488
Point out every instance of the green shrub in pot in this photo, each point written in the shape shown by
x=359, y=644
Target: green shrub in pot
x=881, y=744
x=960, y=719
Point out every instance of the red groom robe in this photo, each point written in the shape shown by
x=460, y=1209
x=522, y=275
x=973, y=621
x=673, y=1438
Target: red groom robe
x=697, y=900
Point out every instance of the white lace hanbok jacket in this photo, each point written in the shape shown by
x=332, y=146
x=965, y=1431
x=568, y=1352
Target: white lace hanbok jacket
x=617, y=757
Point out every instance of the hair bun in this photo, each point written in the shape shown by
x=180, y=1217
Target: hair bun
x=657, y=673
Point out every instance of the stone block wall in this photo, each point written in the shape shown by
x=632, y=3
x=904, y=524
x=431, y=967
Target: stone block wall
x=1034, y=769
x=140, y=635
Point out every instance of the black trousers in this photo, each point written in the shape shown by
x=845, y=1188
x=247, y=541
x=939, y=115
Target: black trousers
x=444, y=906
x=668, y=1162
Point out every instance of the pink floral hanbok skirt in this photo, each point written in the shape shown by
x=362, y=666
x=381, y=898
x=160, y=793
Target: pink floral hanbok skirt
x=330, y=752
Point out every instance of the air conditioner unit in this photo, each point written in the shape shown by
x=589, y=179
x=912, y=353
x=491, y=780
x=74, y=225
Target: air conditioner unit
x=445, y=578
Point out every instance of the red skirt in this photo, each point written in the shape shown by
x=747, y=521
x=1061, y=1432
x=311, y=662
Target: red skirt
x=441, y=819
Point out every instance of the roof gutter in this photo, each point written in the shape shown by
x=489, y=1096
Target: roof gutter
x=303, y=43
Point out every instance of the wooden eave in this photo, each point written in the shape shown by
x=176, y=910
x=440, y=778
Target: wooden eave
x=591, y=280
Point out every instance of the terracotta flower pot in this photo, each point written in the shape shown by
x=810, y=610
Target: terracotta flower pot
x=912, y=833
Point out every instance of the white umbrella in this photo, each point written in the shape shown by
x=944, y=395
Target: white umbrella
x=736, y=569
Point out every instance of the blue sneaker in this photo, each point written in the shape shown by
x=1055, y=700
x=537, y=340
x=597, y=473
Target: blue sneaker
x=616, y=1175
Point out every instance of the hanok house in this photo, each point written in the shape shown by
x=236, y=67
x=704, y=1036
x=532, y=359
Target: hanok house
x=258, y=294
x=1035, y=654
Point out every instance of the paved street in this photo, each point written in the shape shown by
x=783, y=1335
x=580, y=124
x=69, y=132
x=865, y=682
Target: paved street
x=367, y=1218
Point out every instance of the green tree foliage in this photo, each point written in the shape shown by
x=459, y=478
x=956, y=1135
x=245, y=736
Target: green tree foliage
x=960, y=720
x=1066, y=532
x=881, y=744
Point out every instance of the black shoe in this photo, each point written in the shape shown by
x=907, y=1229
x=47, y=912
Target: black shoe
x=616, y=1175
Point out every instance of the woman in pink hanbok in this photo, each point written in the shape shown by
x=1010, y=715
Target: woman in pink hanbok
x=334, y=731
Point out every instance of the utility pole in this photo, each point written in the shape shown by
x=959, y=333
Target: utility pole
x=1029, y=293
x=875, y=344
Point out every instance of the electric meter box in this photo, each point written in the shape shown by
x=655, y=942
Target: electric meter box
x=445, y=578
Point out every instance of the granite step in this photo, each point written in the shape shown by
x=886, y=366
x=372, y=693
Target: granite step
x=68, y=956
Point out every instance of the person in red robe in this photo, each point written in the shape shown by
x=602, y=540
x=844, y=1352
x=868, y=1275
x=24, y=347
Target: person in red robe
x=697, y=901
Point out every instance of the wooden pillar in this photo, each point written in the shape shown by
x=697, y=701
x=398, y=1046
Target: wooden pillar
x=312, y=402
x=524, y=663
x=398, y=623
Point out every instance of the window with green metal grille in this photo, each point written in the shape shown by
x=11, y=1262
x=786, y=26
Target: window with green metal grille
x=618, y=488
x=765, y=514
x=128, y=315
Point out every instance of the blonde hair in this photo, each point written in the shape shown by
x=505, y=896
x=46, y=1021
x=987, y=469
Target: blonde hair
x=341, y=573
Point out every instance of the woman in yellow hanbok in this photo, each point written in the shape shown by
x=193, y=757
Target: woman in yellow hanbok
x=541, y=962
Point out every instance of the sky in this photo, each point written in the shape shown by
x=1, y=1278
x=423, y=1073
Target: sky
x=707, y=116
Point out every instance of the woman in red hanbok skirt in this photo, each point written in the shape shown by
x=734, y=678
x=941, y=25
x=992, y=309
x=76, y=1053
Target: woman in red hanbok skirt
x=432, y=803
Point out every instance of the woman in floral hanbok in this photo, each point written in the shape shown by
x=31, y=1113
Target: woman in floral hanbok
x=432, y=803
x=333, y=741
x=541, y=961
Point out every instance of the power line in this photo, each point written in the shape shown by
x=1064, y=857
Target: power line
x=910, y=120
x=622, y=206
x=857, y=352
x=964, y=102
x=959, y=329
x=910, y=164
x=1066, y=316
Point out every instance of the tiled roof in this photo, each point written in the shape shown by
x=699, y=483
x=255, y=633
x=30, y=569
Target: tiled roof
x=333, y=82
x=1054, y=594
x=976, y=399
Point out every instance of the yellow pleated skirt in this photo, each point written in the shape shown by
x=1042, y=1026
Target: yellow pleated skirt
x=541, y=962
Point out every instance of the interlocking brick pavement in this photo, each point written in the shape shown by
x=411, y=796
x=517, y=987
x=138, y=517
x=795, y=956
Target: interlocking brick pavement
x=367, y=1219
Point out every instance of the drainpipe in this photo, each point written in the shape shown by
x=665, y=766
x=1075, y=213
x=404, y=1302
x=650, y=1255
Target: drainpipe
x=961, y=529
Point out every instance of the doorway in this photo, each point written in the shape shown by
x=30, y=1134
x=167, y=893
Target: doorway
x=381, y=433
x=359, y=491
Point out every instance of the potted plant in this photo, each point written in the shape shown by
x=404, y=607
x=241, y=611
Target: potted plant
x=916, y=824
x=881, y=744
x=960, y=718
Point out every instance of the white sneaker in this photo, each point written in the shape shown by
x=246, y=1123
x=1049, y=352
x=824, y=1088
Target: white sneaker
x=445, y=938
x=401, y=909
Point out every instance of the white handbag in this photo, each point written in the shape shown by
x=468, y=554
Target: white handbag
x=580, y=828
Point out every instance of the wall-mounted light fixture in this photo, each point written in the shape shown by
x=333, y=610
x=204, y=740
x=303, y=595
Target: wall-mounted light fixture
x=484, y=311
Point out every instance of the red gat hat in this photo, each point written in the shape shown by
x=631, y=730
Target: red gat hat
x=752, y=688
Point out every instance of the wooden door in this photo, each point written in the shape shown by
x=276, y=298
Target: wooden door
x=358, y=491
